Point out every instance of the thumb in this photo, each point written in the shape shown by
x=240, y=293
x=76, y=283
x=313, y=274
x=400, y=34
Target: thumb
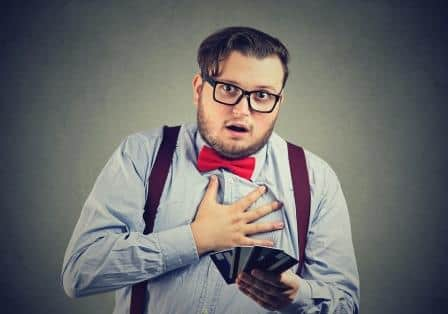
x=212, y=189
x=290, y=279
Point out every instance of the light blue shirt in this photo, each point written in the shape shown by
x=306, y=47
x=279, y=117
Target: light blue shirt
x=108, y=250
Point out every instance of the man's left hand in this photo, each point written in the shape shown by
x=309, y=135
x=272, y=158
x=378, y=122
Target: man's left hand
x=271, y=291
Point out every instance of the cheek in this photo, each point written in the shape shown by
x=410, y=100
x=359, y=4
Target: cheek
x=263, y=124
x=212, y=117
x=218, y=113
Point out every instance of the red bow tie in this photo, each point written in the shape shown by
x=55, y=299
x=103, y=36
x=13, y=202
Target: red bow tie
x=210, y=160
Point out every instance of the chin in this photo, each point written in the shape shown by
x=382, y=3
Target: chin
x=235, y=151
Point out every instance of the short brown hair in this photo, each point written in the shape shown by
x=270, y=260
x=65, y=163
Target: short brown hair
x=246, y=40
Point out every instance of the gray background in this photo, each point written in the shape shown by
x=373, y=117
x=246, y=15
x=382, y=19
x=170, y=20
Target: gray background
x=366, y=93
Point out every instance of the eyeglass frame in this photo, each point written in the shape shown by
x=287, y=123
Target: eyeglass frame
x=246, y=93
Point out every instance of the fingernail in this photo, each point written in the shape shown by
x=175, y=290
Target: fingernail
x=279, y=225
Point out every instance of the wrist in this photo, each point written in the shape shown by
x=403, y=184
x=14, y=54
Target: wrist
x=199, y=238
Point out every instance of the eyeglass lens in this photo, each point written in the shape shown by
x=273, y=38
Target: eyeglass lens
x=231, y=95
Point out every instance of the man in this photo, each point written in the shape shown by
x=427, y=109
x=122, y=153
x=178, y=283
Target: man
x=238, y=95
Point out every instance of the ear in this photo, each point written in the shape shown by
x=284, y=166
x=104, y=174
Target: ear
x=197, y=88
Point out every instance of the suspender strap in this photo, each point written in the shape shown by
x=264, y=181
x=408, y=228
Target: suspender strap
x=301, y=185
x=159, y=172
x=156, y=183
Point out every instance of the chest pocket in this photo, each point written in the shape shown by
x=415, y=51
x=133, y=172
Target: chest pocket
x=179, y=201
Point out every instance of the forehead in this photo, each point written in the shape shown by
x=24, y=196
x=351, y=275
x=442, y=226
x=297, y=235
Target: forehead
x=251, y=72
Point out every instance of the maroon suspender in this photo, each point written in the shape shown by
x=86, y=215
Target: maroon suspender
x=156, y=183
x=302, y=197
x=158, y=175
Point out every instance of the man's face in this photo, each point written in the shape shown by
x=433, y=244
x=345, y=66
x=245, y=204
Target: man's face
x=236, y=131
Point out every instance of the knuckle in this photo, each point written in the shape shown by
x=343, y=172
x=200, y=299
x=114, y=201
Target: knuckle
x=236, y=218
x=256, y=228
x=249, y=216
x=272, y=291
x=250, y=241
x=253, y=214
x=235, y=206
x=268, y=298
x=252, y=198
x=266, y=209
x=263, y=211
x=242, y=204
x=248, y=229
x=246, y=242
x=237, y=238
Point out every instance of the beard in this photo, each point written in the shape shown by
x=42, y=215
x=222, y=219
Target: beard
x=228, y=150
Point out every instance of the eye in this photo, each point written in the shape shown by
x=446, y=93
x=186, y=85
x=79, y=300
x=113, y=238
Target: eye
x=262, y=95
x=228, y=88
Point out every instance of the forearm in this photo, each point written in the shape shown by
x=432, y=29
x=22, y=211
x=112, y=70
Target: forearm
x=117, y=260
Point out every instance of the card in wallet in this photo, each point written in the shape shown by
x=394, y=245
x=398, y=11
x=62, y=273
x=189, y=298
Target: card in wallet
x=269, y=259
x=246, y=258
x=224, y=261
x=242, y=254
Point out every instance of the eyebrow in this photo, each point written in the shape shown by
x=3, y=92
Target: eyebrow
x=258, y=87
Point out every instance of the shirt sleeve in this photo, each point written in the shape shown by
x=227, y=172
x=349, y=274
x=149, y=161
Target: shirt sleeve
x=330, y=280
x=108, y=250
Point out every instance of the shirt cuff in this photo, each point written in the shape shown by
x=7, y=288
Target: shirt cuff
x=178, y=247
x=302, y=299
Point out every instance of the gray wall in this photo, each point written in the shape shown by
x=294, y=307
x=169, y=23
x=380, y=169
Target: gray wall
x=366, y=92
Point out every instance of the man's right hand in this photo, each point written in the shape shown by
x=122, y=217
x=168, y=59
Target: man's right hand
x=218, y=227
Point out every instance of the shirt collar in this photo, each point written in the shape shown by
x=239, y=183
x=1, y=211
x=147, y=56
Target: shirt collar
x=260, y=156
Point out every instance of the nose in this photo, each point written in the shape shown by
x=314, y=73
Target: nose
x=242, y=107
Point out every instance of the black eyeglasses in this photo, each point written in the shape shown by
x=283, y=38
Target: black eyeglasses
x=229, y=94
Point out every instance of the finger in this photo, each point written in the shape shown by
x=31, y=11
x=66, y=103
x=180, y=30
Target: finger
x=212, y=189
x=250, y=198
x=269, y=278
x=262, y=211
x=246, y=241
x=262, y=286
x=261, y=295
x=255, y=228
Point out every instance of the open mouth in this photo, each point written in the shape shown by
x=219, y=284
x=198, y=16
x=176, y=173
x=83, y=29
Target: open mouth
x=237, y=128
